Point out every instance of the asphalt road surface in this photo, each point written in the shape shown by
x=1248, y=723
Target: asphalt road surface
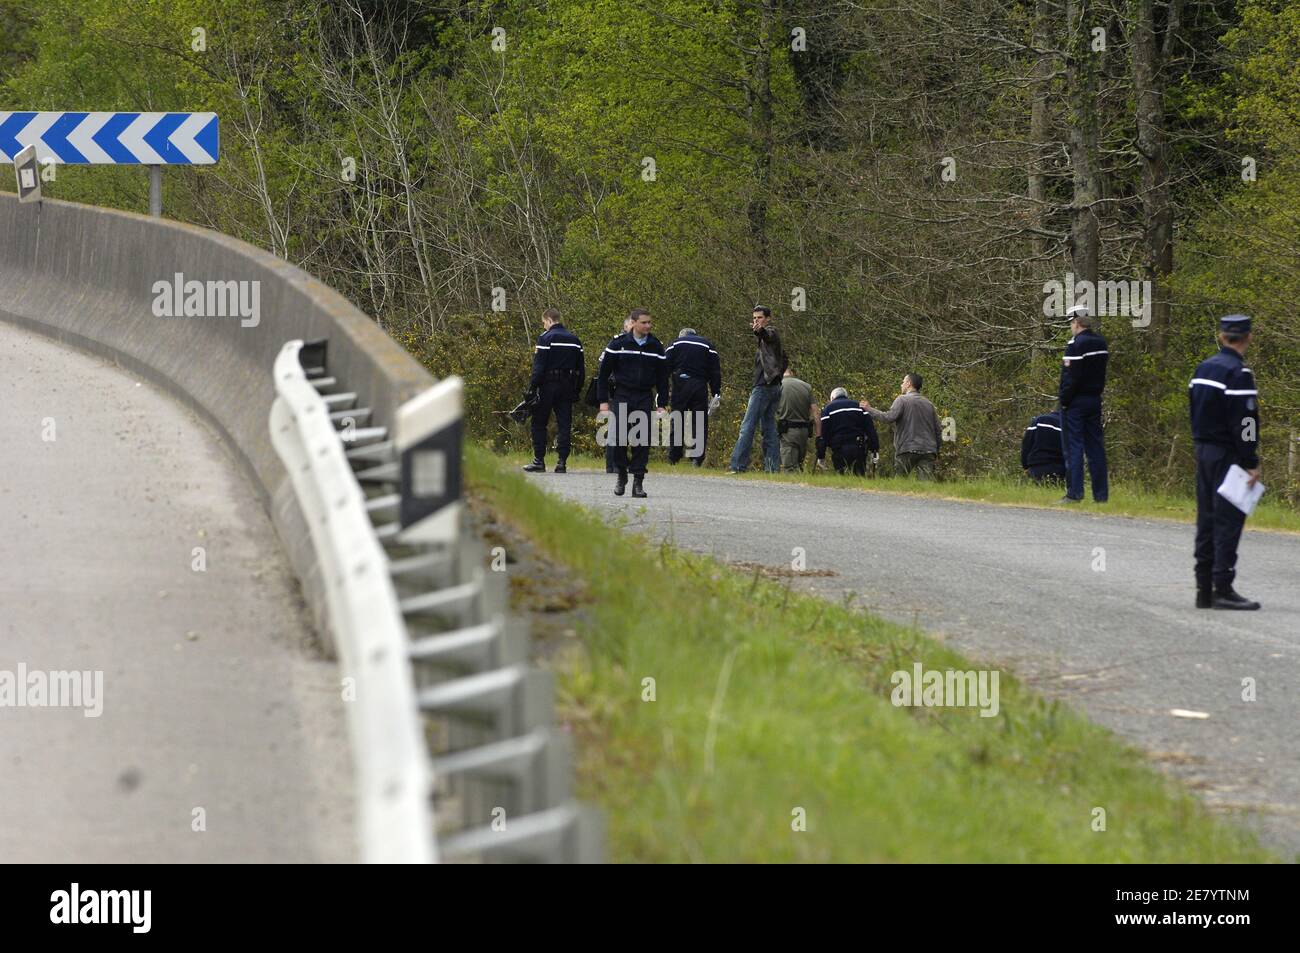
x=1018, y=588
x=216, y=712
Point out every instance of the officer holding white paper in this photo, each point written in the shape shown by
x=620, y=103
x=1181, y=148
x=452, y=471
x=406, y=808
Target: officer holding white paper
x=1225, y=430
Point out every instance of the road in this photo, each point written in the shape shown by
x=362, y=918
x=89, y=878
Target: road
x=1097, y=610
x=221, y=735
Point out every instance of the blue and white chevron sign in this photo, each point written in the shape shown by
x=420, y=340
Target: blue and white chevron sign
x=112, y=138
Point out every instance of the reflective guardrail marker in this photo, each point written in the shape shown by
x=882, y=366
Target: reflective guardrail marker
x=28, y=174
x=428, y=442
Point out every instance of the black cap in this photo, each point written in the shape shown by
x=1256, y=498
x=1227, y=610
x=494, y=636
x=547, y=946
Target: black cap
x=1235, y=324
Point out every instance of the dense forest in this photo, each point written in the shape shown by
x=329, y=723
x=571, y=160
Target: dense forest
x=900, y=180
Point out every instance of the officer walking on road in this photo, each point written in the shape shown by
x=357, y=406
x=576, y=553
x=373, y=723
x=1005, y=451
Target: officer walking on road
x=1225, y=431
x=637, y=363
x=609, y=448
x=1083, y=378
x=696, y=373
x=559, y=369
x=1040, y=449
x=847, y=429
x=796, y=420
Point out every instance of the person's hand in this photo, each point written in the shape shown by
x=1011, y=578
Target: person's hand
x=1253, y=475
x=661, y=411
x=864, y=404
x=604, y=408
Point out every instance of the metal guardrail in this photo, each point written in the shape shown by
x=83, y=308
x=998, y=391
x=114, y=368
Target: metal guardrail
x=393, y=772
x=440, y=668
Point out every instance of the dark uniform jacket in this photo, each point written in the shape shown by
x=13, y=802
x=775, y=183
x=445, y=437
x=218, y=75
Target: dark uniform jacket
x=843, y=422
x=1084, y=370
x=638, y=368
x=1225, y=406
x=770, y=361
x=558, y=357
x=1041, y=445
x=695, y=358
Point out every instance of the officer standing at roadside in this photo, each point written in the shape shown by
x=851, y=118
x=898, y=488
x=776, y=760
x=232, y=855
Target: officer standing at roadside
x=1083, y=379
x=696, y=373
x=849, y=433
x=797, y=420
x=559, y=369
x=637, y=362
x=1224, y=406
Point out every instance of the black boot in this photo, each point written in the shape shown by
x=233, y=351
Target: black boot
x=621, y=484
x=637, y=489
x=561, y=467
x=1225, y=597
x=537, y=466
x=1204, y=597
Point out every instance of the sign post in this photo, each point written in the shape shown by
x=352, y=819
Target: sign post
x=86, y=138
x=155, y=191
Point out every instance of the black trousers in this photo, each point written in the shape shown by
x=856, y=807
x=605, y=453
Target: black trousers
x=557, y=397
x=1048, y=473
x=1218, y=522
x=850, y=455
x=623, y=406
x=690, y=396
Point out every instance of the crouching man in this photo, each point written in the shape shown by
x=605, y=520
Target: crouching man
x=849, y=433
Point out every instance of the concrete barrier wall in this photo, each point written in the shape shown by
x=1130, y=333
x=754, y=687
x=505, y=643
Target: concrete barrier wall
x=86, y=275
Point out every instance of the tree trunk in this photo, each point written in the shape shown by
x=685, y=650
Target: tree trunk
x=761, y=126
x=1152, y=147
x=1039, y=132
x=1081, y=73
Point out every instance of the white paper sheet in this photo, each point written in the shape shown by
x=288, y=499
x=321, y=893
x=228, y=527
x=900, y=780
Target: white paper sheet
x=1236, y=492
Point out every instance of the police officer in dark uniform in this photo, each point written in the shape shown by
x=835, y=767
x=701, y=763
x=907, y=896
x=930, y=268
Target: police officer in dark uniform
x=609, y=447
x=1040, y=449
x=559, y=369
x=637, y=362
x=849, y=432
x=696, y=372
x=1225, y=430
x=1083, y=379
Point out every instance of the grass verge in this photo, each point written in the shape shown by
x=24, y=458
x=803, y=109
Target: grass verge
x=1271, y=514
x=768, y=702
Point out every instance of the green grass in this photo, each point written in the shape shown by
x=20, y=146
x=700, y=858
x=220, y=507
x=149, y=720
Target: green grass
x=1271, y=514
x=768, y=701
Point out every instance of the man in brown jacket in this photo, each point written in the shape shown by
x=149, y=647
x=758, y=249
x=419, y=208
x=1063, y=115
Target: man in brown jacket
x=917, y=434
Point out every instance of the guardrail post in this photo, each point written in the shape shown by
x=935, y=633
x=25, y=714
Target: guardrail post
x=428, y=437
